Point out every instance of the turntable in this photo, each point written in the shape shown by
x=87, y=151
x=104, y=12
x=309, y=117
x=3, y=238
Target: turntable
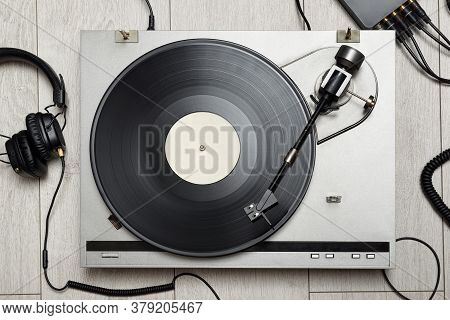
x=183, y=131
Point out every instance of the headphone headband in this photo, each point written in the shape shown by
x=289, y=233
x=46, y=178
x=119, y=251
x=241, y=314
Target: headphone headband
x=57, y=82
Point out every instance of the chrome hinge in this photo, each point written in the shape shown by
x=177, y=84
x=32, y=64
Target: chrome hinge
x=348, y=36
x=127, y=36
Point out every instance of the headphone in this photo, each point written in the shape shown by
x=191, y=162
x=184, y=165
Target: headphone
x=29, y=150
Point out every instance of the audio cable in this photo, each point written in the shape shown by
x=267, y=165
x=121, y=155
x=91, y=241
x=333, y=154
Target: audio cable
x=438, y=263
x=366, y=116
x=4, y=154
x=55, y=117
x=302, y=13
x=435, y=39
x=404, y=21
x=443, y=36
x=417, y=17
x=426, y=181
x=100, y=290
x=151, y=17
x=423, y=62
x=3, y=161
x=412, y=15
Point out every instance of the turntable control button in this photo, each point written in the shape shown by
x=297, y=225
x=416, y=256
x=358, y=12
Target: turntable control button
x=329, y=256
x=110, y=255
x=315, y=256
x=356, y=256
x=370, y=256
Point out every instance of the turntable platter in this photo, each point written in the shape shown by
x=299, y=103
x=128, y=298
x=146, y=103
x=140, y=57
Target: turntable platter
x=164, y=165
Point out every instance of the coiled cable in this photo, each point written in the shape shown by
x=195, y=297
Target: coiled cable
x=426, y=181
x=120, y=292
x=100, y=290
x=139, y=291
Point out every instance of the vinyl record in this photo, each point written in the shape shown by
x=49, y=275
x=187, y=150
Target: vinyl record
x=202, y=82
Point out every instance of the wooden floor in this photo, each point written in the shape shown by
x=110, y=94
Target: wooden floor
x=51, y=29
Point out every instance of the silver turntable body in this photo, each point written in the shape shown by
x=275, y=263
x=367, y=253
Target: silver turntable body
x=346, y=220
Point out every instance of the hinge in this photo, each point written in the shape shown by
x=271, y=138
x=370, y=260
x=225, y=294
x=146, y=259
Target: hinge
x=348, y=36
x=127, y=36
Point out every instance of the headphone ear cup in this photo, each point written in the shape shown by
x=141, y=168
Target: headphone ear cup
x=22, y=159
x=38, y=138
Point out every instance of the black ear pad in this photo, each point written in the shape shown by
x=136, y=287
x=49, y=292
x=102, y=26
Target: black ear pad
x=22, y=158
x=45, y=134
x=37, y=137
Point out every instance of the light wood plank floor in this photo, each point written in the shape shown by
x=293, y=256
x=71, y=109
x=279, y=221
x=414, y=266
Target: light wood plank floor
x=51, y=28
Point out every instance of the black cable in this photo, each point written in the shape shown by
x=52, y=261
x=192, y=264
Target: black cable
x=422, y=57
x=99, y=290
x=151, y=17
x=436, y=39
x=6, y=137
x=427, y=66
x=63, y=113
x=136, y=292
x=346, y=129
x=424, y=67
x=47, y=223
x=414, y=56
x=302, y=13
x=3, y=161
x=426, y=181
x=65, y=119
x=438, y=262
x=439, y=32
x=120, y=292
x=404, y=32
x=187, y=274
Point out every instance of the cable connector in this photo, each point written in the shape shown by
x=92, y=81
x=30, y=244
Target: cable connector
x=417, y=8
x=44, y=259
x=151, y=22
x=411, y=17
x=395, y=22
x=401, y=24
x=60, y=152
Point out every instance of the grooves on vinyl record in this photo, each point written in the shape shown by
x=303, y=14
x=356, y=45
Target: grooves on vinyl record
x=265, y=108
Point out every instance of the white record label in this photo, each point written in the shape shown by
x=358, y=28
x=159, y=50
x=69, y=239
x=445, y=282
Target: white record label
x=202, y=148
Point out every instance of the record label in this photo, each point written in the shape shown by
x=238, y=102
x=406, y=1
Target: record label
x=202, y=148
